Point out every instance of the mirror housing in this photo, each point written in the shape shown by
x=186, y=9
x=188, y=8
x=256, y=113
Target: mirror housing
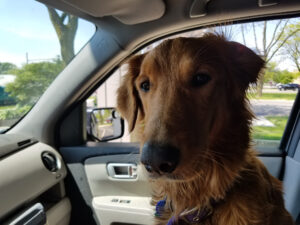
x=104, y=124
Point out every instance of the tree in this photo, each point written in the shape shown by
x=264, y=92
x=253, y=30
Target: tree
x=17, y=112
x=270, y=72
x=32, y=80
x=65, y=26
x=292, y=46
x=6, y=67
x=266, y=46
x=283, y=77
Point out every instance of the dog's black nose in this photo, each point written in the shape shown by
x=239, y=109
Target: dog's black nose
x=160, y=158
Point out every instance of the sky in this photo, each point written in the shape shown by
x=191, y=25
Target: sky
x=25, y=27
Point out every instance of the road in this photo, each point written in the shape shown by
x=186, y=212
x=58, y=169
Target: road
x=271, y=107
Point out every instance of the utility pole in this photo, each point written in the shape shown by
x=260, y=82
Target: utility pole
x=27, y=58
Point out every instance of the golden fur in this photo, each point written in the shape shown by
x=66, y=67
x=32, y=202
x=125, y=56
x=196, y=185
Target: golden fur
x=209, y=124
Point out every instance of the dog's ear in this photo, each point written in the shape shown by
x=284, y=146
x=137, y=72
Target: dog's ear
x=128, y=101
x=245, y=62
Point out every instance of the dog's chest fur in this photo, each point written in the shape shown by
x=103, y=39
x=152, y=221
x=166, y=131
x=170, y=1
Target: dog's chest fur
x=253, y=198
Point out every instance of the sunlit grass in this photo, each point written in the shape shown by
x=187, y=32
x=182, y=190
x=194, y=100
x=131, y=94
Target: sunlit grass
x=270, y=133
x=273, y=96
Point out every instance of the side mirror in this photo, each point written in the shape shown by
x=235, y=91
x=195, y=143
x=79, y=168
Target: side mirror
x=104, y=124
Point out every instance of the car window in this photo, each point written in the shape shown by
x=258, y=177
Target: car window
x=271, y=99
x=37, y=42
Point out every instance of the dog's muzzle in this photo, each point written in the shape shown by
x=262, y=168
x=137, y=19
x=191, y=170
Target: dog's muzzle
x=159, y=158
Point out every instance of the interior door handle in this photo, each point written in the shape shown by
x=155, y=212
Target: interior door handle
x=122, y=170
x=35, y=215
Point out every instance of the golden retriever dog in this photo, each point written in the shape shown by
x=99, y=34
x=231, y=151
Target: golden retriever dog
x=187, y=101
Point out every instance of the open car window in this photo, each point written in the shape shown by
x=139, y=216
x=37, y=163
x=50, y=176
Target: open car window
x=35, y=47
x=271, y=99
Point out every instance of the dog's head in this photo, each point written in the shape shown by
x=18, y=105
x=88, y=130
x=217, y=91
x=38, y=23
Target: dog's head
x=188, y=95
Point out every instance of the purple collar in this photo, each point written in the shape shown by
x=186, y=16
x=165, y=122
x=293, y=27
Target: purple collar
x=193, y=216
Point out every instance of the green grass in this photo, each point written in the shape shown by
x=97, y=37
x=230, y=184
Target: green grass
x=273, y=96
x=271, y=133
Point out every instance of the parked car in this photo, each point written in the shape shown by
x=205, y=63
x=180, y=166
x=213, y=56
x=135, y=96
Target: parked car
x=289, y=86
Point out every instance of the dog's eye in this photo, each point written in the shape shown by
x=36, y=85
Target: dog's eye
x=200, y=79
x=145, y=86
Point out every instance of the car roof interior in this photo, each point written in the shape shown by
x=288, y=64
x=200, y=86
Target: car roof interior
x=146, y=20
x=121, y=31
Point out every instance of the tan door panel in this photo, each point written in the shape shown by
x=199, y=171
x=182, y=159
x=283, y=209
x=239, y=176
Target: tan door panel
x=122, y=195
x=60, y=213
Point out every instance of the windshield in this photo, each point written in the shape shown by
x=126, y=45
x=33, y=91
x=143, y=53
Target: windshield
x=37, y=42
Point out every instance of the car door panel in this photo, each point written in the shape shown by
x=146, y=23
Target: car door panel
x=75, y=156
x=113, y=200
x=125, y=200
x=137, y=211
x=102, y=184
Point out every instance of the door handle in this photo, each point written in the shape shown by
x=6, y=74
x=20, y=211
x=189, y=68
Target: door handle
x=122, y=170
x=35, y=215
